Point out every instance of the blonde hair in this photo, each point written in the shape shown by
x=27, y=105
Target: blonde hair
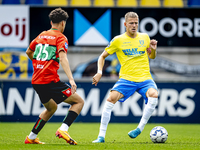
x=131, y=15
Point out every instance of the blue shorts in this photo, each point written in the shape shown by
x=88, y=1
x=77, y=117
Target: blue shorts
x=128, y=88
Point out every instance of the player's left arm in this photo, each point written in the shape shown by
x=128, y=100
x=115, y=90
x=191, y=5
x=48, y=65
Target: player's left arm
x=152, y=49
x=65, y=65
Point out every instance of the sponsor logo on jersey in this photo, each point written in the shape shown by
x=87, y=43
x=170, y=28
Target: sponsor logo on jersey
x=47, y=37
x=133, y=52
x=126, y=42
x=66, y=45
x=40, y=66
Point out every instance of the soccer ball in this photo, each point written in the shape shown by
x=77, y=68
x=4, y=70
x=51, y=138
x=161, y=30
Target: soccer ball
x=158, y=134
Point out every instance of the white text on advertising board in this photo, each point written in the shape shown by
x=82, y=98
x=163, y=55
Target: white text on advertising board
x=14, y=26
x=180, y=27
x=168, y=98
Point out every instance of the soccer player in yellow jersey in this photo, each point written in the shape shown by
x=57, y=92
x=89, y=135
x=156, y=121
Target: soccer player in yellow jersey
x=132, y=49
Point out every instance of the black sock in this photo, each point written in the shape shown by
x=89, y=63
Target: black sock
x=70, y=117
x=38, y=125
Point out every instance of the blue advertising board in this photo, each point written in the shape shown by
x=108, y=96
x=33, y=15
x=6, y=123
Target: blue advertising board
x=178, y=103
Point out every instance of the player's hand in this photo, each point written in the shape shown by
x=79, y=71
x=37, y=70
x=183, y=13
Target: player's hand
x=96, y=78
x=153, y=44
x=149, y=50
x=73, y=86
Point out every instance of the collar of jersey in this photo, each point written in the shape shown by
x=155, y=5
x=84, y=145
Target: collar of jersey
x=131, y=37
x=54, y=29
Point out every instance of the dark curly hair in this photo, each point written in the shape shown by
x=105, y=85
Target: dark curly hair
x=57, y=15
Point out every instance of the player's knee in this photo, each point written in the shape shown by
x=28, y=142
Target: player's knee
x=52, y=109
x=114, y=96
x=153, y=93
x=109, y=99
x=81, y=102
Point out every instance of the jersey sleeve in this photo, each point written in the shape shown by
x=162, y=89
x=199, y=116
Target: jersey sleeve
x=148, y=40
x=34, y=42
x=32, y=45
x=112, y=47
x=62, y=44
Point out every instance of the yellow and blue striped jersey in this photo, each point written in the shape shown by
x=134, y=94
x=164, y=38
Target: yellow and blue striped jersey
x=132, y=55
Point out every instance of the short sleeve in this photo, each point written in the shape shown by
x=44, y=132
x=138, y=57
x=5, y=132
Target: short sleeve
x=62, y=44
x=148, y=40
x=33, y=44
x=112, y=47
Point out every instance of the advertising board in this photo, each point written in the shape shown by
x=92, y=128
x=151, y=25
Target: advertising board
x=178, y=103
x=97, y=26
x=14, y=26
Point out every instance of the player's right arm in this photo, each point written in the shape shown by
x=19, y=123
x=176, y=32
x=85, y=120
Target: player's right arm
x=100, y=65
x=30, y=53
x=30, y=50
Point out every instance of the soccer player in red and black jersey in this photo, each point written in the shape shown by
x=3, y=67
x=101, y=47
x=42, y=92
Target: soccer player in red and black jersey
x=46, y=51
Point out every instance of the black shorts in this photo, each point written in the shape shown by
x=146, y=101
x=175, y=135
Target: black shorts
x=58, y=91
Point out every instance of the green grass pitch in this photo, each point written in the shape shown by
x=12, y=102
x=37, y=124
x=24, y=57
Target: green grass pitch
x=180, y=137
